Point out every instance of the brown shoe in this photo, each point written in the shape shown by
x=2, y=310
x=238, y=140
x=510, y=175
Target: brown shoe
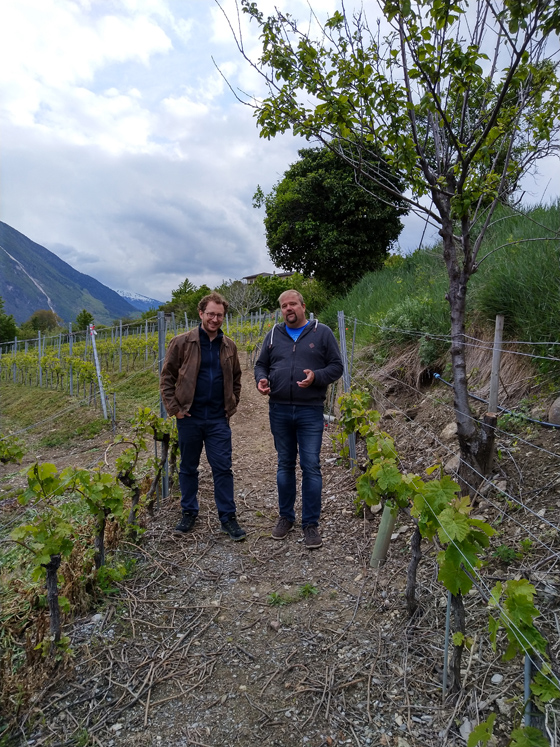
x=283, y=526
x=311, y=537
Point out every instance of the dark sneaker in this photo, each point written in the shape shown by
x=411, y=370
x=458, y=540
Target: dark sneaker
x=232, y=528
x=283, y=526
x=311, y=537
x=185, y=525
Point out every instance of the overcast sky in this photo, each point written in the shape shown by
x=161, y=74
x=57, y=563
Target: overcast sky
x=124, y=152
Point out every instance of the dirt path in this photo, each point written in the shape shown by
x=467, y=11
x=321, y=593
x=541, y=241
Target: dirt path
x=215, y=643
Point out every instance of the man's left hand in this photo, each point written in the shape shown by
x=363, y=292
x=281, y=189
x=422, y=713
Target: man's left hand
x=309, y=379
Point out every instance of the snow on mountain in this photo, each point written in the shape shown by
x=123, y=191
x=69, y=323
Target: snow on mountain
x=140, y=302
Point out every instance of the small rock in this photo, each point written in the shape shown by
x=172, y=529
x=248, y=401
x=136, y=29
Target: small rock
x=449, y=432
x=97, y=618
x=116, y=727
x=497, y=679
x=554, y=412
x=274, y=625
x=452, y=465
x=465, y=729
x=504, y=707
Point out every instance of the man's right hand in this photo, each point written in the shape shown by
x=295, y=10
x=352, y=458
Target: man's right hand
x=181, y=415
x=263, y=386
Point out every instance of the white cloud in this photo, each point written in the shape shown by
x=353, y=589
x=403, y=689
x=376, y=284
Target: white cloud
x=123, y=148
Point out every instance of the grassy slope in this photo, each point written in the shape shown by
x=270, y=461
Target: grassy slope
x=521, y=280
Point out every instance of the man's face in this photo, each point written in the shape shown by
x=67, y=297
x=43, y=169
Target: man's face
x=293, y=310
x=212, y=317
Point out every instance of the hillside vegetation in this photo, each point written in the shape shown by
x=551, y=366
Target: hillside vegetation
x=519, y=277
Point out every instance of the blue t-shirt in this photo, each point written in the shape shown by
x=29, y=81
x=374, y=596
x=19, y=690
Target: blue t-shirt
x=295, y=333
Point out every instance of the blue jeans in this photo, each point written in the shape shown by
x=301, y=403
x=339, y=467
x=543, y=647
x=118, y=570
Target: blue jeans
x=216, y=437
x=298, y=427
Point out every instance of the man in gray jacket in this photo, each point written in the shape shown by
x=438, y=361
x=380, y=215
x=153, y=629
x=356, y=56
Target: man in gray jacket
x=299, y=359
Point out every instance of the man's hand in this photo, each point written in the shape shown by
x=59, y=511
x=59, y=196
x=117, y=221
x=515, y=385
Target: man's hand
x=309, y=379
x=180, y=415
x=263, y=386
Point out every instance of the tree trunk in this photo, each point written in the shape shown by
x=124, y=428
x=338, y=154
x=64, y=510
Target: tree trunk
x=458, y=627
x=416, y=553
x=99, y=543
x=173, y=464
x=52, y=596
x=151, y=492
x=129, y=481
x=476, y=441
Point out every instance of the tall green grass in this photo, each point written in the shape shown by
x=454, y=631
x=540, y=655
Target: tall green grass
x=522, y=280
x=519, y=276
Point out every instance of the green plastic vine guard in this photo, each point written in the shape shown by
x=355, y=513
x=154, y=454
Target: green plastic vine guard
x=386, y=526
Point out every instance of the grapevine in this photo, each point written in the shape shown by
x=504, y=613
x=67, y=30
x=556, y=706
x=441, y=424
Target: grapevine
x=443, y=515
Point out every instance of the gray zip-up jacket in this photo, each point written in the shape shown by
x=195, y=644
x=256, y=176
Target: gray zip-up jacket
x=282, y=362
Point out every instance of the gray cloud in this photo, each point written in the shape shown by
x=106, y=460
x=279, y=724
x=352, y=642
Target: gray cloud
x=138, y=167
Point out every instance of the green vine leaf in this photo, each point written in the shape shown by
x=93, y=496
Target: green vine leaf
x=482, y=733
x=528, y=736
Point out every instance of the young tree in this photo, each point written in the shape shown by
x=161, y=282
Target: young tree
x=243, y=297
x=461, y=97
x=84, y=319
x=8, y=327
x=318, y=222
x=185, y=298
x=44, y=320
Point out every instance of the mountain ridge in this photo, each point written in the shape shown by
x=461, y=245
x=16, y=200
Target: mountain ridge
x=140, y=302
x=32, y=277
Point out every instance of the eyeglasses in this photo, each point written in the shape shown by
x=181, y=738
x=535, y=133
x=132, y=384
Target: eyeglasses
x=213, y=315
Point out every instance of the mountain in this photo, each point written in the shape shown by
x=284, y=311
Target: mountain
x=32, y=277
x=140, y=302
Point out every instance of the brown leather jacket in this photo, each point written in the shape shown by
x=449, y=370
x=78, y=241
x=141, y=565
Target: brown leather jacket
x=180, y=372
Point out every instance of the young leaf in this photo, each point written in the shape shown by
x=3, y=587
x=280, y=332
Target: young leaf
x=482, y=733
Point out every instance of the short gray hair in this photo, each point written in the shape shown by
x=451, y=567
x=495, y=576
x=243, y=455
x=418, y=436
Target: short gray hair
x=294, y=293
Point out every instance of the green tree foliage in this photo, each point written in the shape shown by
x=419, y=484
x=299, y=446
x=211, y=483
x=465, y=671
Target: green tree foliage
x=460, y=105
x=84, y=319
x=320, y=223
x=185, y=298
x=8, y=327
x=43, y=320
x=314, y=292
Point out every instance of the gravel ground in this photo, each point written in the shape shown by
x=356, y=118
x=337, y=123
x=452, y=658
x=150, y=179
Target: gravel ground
x=261, y=642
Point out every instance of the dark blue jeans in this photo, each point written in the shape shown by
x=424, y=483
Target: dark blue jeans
x=216, y=437
x=298, y=428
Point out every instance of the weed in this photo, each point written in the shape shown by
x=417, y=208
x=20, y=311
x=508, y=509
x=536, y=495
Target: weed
x=82, y=738
x=516, y=422
x=506, y=554
x=277, y=600
x=526, y=545
x=307, y=590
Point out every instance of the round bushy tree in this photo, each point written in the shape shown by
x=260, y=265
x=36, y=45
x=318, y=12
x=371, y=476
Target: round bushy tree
x=320, y=223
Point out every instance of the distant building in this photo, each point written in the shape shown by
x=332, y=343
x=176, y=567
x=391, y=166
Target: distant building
x=250, y=279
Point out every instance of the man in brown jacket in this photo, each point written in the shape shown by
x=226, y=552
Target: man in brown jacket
x=200, y=385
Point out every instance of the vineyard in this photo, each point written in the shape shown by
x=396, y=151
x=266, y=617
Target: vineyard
x=198, y=642
x=66, y=362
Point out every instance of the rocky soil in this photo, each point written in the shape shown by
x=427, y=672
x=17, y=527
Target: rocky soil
x=216, y=643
